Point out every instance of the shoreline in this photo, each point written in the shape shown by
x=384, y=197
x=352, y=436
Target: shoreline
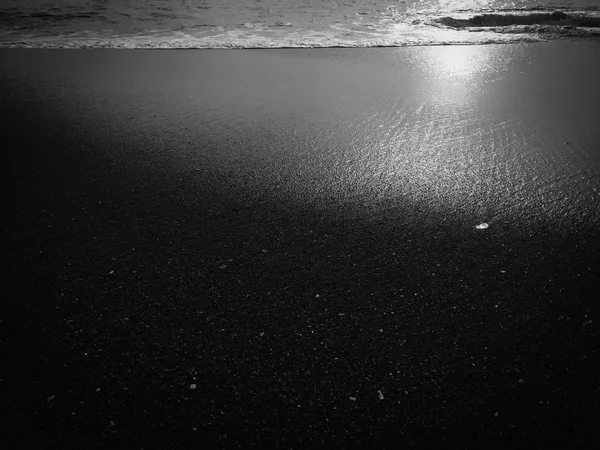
x=570, y=40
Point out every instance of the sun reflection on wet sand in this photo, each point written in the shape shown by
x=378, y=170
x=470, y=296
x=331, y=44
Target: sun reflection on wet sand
x=439, y=129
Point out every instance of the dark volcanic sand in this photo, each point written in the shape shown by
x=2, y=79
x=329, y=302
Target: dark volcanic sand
x=178, y=219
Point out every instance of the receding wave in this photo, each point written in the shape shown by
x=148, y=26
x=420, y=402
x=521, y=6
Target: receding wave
x=388, y=29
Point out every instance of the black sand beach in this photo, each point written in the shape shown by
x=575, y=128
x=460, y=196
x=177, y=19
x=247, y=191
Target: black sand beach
x=278, y=248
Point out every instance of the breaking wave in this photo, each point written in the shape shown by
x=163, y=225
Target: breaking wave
x=545, y=25
x=557, y=18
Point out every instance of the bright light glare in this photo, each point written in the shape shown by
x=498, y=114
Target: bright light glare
x=464, y=61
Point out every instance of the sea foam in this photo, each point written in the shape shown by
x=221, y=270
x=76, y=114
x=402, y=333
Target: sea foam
x=177, y=24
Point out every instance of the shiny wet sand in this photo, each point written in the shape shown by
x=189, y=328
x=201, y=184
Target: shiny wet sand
x=292, y=231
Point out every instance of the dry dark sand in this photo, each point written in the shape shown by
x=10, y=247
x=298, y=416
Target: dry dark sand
x=292, y=233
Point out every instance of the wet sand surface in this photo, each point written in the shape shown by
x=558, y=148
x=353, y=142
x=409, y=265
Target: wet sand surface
x=278, y=249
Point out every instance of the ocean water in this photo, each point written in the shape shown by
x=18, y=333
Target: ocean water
x=291, y=23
